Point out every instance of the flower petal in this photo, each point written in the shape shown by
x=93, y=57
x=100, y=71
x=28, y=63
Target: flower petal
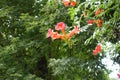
x=60, y=26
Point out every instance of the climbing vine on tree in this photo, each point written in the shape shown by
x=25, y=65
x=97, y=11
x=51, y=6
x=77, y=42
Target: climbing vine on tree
x=58, y=39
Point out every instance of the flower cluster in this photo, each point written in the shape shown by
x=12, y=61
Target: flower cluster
x=97, y=50
x=61, y=26
x=66, y=36
x=69, y=2
x=98, y=22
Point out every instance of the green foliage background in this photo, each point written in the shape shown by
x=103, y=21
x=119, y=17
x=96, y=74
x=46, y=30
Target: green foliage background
x=26, y=53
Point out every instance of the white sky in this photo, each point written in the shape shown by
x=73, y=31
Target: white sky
x=113, y=67
x=109, y=63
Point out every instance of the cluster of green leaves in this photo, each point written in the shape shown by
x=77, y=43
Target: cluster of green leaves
x=26, y=53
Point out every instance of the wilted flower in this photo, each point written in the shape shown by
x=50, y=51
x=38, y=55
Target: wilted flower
x=98, y=11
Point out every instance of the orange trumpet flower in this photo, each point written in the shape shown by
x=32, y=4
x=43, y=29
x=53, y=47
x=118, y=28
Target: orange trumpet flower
x=73, y=3
x=66, y=2
x=74, y=31
x=97, y=50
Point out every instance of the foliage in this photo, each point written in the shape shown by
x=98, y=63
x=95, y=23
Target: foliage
x=26, y=53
